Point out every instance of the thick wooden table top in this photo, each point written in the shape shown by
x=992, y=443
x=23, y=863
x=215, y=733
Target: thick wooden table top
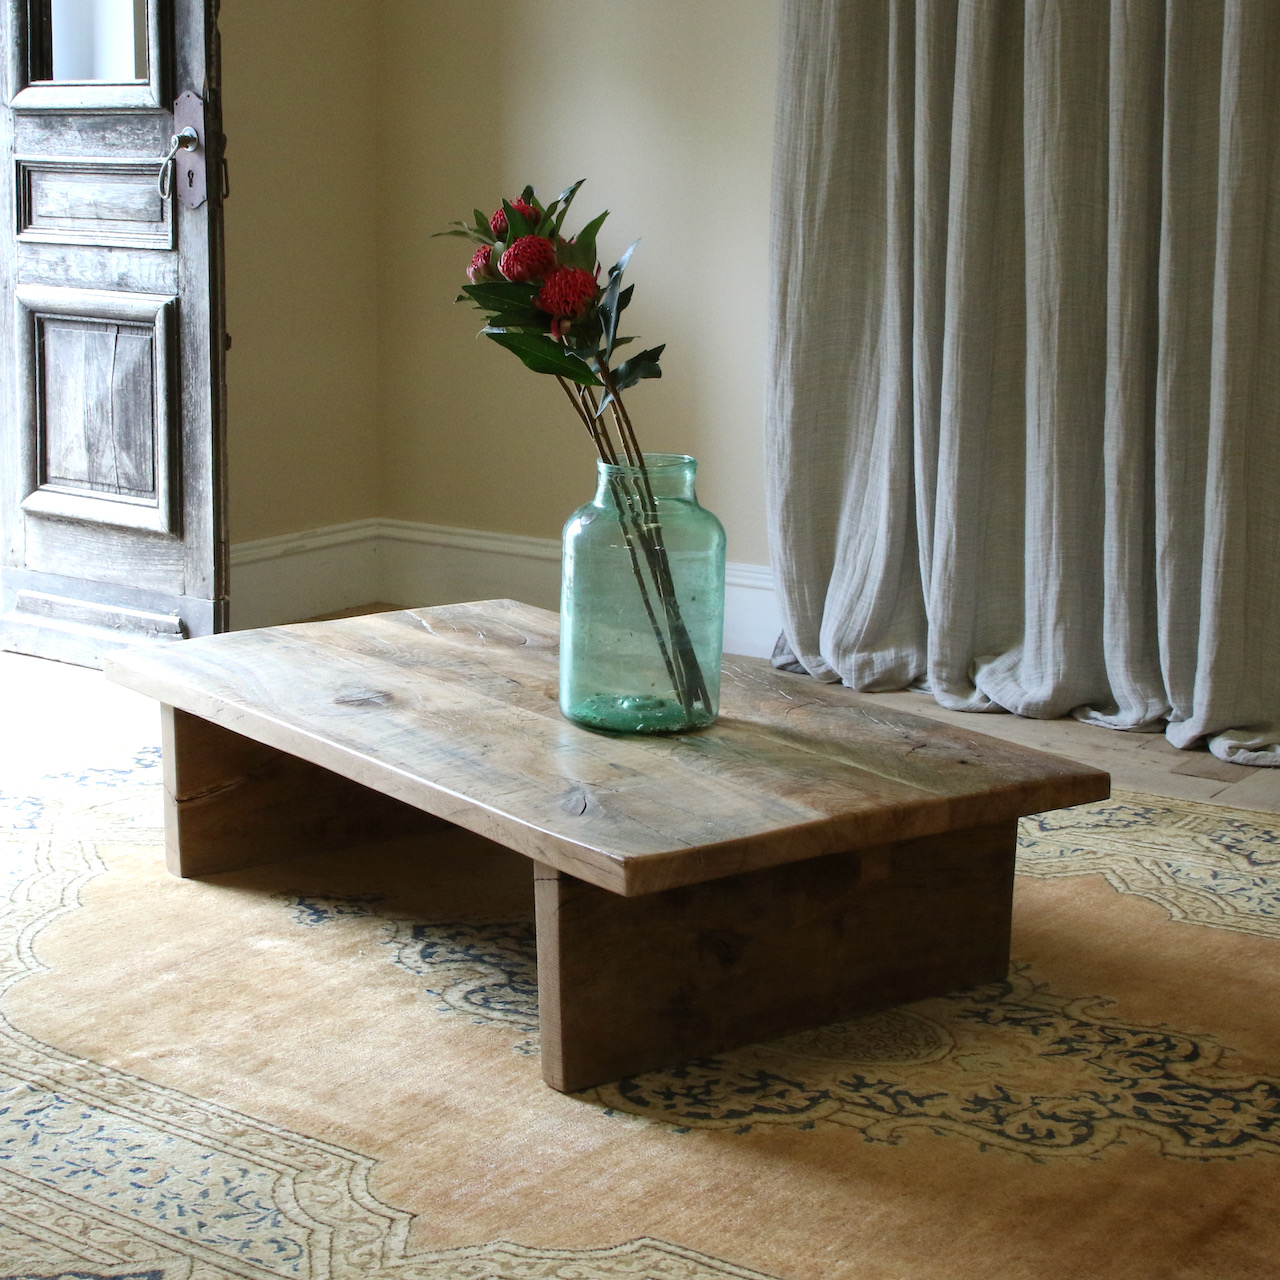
x=454, y=710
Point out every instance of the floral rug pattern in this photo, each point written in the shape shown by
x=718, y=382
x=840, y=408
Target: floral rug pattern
x=1203, y=864
x=486, y=971
x=105, y=1176
x=1010, y=1065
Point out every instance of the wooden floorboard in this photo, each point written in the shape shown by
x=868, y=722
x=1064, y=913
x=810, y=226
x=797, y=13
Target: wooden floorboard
x=1144, y=762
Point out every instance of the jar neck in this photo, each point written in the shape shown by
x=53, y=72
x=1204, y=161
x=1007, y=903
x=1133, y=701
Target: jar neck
x=670, y=476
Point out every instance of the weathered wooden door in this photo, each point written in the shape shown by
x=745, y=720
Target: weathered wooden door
x=112, y=336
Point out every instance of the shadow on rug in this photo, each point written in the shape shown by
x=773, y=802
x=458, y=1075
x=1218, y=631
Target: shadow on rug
x=328, y=1068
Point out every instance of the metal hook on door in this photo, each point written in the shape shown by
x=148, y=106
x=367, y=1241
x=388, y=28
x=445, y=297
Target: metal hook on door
x=184, y=140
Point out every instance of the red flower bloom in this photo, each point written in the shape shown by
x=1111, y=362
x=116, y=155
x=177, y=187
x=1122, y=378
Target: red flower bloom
x=480, y=268
x=568, y=292
x=528, y=259
x=498, y=223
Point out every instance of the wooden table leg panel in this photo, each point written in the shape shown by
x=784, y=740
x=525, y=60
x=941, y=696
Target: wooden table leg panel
x=231, y=802
x=631, y=984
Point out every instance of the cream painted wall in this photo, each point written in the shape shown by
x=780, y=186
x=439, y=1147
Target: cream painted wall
x=666, y=108
x=301, y=228
x=356, y=388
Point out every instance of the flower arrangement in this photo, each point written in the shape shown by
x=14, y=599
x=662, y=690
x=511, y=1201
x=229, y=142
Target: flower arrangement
x=541, y=296
x=542, y=300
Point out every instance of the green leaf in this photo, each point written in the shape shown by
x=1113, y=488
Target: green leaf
x=482, y=225
x=501, y=295
x=571, y=255
x=609, y=314
x=621, y=265
x=585, y=243
x=522, y=318
x=583, y=337
x=612, y=304
x=581, y=252
x=546, y=217
x=562, y=202
x=462, y=229
x=544, y=355
x=517, y=224
x=642, y=365
x=565, y=198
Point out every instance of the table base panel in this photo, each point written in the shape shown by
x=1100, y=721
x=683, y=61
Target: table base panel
x=231, y=802
x=627, y=985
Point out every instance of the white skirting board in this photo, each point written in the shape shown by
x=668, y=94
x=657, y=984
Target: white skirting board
x=300, y=575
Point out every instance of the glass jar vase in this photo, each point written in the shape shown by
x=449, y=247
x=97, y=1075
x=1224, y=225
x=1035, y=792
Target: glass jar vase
x=642, y=602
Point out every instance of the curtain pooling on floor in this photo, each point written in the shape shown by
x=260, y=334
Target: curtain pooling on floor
x=1024, y=416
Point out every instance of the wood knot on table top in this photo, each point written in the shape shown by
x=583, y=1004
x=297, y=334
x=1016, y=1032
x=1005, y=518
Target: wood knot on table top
x=365, y=698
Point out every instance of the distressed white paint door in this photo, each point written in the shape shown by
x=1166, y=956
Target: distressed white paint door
x=112, y=336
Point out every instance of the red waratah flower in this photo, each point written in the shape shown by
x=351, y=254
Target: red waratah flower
x=568, y=292
x=498, y=223
x=480, y=268
x=528, y=259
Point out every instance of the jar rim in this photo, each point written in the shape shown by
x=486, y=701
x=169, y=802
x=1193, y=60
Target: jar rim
x=652, y=462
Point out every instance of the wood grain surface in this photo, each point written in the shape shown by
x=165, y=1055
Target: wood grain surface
x=453, y=710
x=231, y=802
x=632, y=984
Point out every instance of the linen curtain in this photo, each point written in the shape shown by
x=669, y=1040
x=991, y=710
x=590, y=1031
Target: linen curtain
x=1024, y=405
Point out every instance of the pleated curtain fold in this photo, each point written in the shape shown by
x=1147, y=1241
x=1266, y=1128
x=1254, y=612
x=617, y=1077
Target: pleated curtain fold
x=1024, y=408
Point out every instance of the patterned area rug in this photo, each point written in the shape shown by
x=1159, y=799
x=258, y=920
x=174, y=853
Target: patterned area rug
x=328, y=1069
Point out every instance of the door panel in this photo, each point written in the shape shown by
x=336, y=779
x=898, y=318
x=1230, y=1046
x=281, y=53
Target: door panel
x=125, y=561
x=106, y=202
x=91, y=268
x=111, y=334
x=96, y=401
x=97, y=421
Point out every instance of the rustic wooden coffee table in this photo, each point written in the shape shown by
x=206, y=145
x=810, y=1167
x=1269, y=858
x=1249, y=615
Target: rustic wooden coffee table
x=809, y=857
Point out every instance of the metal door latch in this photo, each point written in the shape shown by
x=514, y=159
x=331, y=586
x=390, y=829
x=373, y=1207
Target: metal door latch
x=186, y=140
x=183, y=169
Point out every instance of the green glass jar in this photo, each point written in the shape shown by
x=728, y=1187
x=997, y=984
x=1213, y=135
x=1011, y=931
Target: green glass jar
x=642, y=602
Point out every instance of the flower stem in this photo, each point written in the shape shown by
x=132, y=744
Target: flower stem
x=692, y=686
x=585, y=406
